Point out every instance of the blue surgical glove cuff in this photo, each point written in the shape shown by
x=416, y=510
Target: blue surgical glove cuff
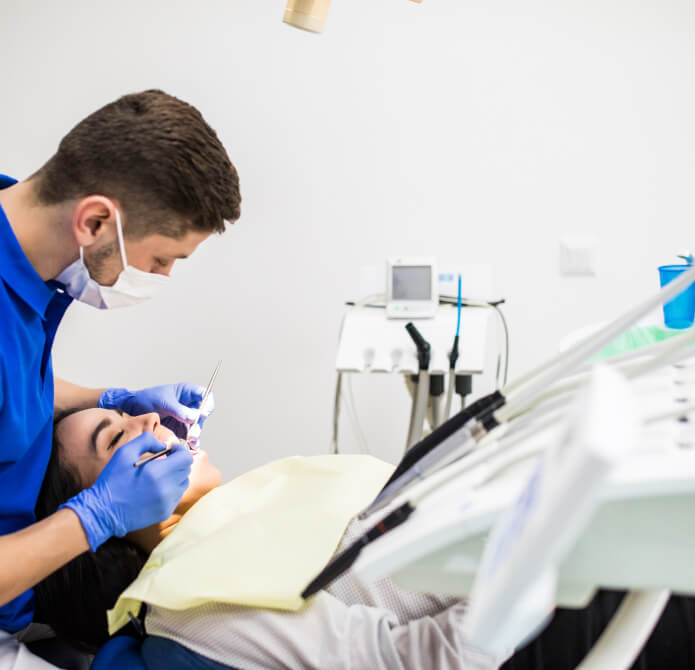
x=115, y=398
x=95, y=520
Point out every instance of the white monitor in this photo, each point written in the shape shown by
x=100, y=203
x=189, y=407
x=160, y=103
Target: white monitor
x=412, y=288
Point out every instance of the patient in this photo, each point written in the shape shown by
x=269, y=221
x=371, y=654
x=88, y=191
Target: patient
x=347, y=625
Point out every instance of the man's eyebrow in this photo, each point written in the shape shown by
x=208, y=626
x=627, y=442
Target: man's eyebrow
x=102, y=424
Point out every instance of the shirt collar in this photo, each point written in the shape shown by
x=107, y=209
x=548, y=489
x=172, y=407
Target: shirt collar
x=15, y=269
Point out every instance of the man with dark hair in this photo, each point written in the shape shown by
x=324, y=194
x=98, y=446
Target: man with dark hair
x=133, y=187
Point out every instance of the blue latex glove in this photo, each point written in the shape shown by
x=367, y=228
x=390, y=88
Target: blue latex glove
x=125, y=498
x=176, y=405
x=119, y=653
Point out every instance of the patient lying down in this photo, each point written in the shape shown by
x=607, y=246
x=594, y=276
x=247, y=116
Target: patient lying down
x=347, y=625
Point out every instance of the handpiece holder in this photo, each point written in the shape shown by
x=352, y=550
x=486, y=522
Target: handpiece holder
x=454, y=355
x=421, y=344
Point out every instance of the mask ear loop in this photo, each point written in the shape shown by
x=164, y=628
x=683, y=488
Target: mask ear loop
x=121, y=242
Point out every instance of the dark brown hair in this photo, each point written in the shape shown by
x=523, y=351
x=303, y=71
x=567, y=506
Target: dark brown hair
x=157, y=156
x=74, y=599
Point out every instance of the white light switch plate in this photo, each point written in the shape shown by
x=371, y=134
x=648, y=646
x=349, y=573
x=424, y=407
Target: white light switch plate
x=578, y=257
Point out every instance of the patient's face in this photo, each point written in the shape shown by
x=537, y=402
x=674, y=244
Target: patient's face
x=90, y=438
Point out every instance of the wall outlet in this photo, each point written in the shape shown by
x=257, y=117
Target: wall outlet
x=578, y=257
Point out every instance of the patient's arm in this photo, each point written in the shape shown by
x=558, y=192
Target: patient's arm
x=326, y=634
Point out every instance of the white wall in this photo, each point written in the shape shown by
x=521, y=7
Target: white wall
x=474, y=131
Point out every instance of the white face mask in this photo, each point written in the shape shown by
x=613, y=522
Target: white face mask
x=132, y=286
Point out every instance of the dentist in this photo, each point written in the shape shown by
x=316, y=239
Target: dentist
x=132, y=188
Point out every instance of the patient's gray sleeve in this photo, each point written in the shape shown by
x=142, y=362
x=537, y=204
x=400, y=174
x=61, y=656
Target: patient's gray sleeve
x=326, y=634
x=350, y=625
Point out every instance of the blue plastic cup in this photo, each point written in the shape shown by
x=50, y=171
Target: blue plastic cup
x=679, y=312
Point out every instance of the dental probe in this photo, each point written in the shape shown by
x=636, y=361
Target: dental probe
x=184, y=442
x=162, y=452
x=208, y=388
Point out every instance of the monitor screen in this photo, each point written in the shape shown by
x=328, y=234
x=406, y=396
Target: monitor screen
x=412, y=282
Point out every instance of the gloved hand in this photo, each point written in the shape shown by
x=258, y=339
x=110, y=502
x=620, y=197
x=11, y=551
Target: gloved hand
x=176, y=405
x=125, y=498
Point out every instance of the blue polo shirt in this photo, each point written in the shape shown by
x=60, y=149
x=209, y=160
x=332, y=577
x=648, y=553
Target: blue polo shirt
x=30, y=311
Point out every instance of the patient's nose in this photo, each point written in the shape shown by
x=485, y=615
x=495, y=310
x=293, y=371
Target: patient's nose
x=149, y=421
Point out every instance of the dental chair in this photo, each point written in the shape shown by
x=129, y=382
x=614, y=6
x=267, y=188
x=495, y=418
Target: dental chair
x=60, y=654
x=42, y=641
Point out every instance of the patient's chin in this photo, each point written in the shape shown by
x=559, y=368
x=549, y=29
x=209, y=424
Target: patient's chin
x=209, y=476
x=204, y=478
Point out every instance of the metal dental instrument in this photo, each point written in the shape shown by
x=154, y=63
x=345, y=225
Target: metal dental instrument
x=157, y=454
x=205, y=397
x=184, y=441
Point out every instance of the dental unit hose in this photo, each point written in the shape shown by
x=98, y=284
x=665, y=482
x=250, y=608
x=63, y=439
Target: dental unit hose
x=454, y=355
x=436, y=396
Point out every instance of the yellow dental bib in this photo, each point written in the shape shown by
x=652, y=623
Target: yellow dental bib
x=259, y=539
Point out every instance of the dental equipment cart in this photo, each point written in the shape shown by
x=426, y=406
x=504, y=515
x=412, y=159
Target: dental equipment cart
x=372, y=343
x=639, y=539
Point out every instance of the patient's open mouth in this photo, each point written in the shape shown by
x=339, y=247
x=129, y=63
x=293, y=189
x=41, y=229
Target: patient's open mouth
x=193, y=449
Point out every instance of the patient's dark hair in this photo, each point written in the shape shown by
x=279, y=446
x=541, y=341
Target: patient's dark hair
x=74, y=599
